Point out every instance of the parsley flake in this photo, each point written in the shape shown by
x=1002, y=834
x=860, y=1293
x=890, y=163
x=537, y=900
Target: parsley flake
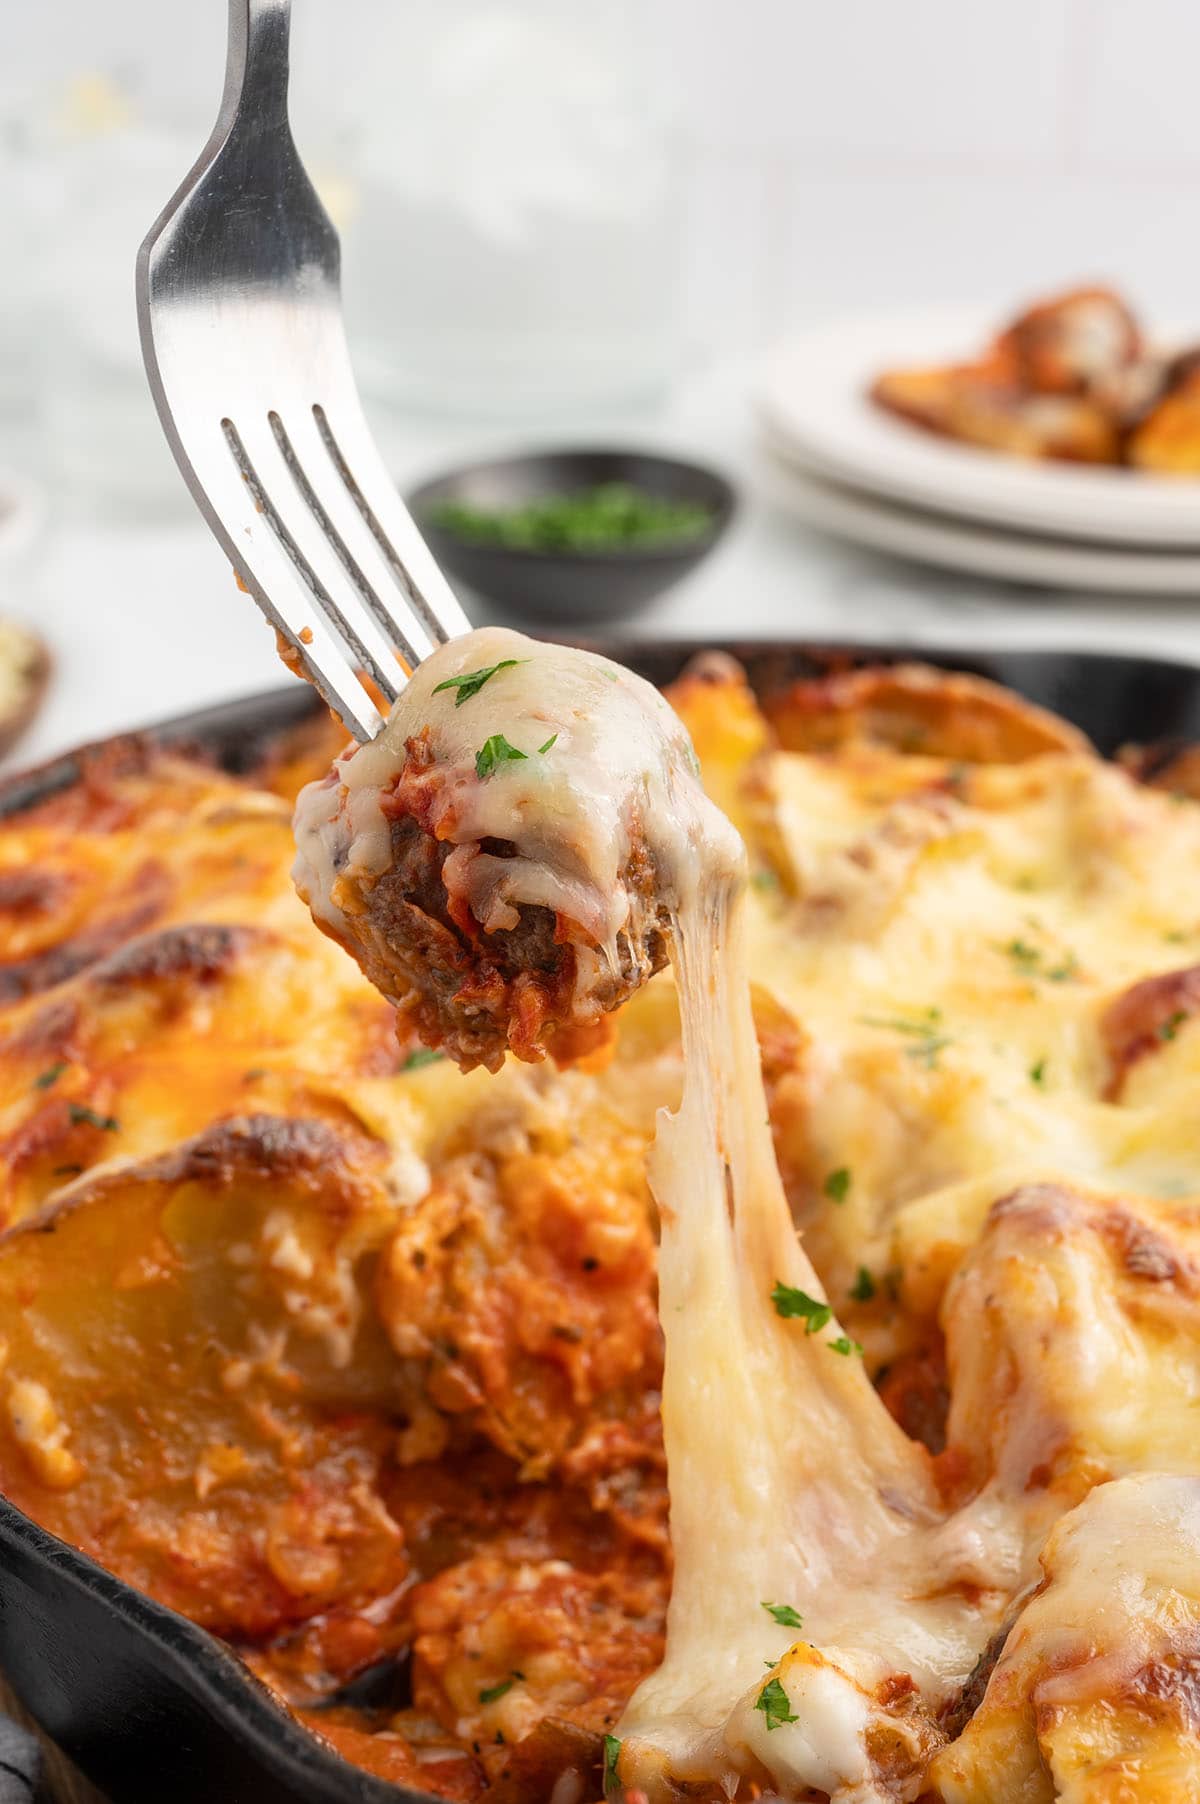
x=473, y=681
x=765, y=879
x=612, y=1753
x=790, y=1302
x=844, y=1345
x=51, y=1075
x=1030, y=961
x=837, y=1185
x=1171, y=1026
x=494, y=751
x=775, y=1704
x=925, y=1028
x=81, y=1115
x=424, y=1055
x=1037, y=1074
x=863, y=1287
x=543, y=749
x=785, y=1616
x=491, y=1694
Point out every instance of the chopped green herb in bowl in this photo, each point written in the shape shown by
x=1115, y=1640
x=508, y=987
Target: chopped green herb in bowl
x=573, y=535
x=608, y=516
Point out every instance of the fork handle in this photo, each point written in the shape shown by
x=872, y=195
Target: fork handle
x=257, y=61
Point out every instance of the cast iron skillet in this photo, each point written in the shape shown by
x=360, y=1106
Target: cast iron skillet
x=151, y=1707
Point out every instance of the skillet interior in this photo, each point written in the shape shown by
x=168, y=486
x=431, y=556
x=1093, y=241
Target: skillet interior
x=147, y=1704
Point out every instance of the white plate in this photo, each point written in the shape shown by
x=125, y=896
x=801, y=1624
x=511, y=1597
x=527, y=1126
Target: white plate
x=812, y=394
x=22, y=511
x=982, y=550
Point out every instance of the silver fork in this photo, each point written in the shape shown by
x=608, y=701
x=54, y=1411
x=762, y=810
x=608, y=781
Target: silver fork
x=239, y=307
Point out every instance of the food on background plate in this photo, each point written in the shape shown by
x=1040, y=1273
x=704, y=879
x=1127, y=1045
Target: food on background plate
x=1072, y=379
x=609, y=516
x=24, y=675
x=404, y=1398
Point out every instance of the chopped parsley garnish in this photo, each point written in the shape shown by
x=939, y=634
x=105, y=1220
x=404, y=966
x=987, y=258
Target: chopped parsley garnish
x=925, y=1029
x=844, y=1345
x=51, y=1075
x=67, y=1171
x=791, y=1302
x=921, y=1026
x=424, y=1055
x=1031, y=962
x=602, y=516
x=81, y=1115
x=494, y=751
x=253, y=1077
x=785, y=1616
x=1175, y=937
x=473, y=681
x=612, y=1753
x=491, y=1694
x=765, y=879
x=1171, y=1026
x=1037, y=1074
x=863, y=1287
x=837, y=1185
x=775, y=1704
x=543, y=749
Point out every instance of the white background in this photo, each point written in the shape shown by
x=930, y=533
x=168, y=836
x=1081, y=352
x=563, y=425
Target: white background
x=956, y=149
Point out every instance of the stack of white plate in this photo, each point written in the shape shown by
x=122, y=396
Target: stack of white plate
x=841, y=464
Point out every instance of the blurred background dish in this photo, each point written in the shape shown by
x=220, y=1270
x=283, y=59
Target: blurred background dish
x=22, y=518
x=573, y=535
x=25, y=664
x=1073, y=378
x=949, y=542
x=813, y=396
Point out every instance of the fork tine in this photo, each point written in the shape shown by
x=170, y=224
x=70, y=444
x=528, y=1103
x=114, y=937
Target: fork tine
x=272, y=574
x=276, y=586
x=281, y=512
x=372, y=586
x=355, y=455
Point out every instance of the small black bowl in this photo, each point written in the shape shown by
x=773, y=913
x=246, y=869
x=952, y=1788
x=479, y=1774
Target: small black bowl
x=565, y=586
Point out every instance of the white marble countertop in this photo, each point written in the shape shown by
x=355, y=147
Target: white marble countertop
x=146, y=621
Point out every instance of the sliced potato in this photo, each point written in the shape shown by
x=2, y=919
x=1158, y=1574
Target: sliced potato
x=188, y=1370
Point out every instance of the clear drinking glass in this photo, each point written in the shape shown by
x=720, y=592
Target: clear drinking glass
x=511, y=225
